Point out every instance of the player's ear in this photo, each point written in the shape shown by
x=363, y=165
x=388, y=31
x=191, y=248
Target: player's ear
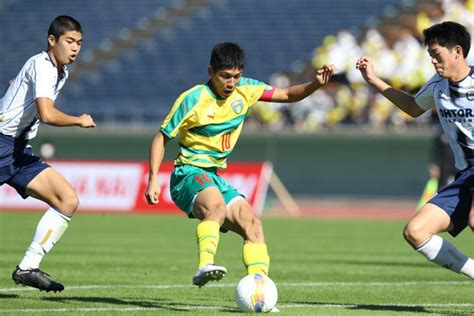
x=51, y=40
x=458, y=51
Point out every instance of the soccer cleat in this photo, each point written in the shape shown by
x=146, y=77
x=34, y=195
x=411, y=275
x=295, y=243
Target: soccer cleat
x=209, y=272
x=36, y=278
x=274, y=310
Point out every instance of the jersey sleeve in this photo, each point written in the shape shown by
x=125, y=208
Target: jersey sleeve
x=425, y=96
x=44, y=79
x=267, y=94
x=256, y=89
x=181, y=116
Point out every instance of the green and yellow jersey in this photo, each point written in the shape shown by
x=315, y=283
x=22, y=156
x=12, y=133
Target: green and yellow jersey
x=208, y=125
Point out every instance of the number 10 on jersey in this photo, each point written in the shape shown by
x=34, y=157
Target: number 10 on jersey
x=225, y=142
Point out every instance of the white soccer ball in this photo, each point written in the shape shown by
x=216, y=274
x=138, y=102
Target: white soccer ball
x=256, y=293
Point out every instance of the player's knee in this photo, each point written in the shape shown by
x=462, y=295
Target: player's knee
x=414, y=234
x=69, y=203
x=211, y=211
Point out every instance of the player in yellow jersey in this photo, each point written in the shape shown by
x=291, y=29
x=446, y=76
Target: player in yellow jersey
x=209, y=118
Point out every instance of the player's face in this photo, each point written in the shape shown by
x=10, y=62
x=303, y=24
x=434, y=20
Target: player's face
x=445, y=60
x=65, y=49
x=224, y=81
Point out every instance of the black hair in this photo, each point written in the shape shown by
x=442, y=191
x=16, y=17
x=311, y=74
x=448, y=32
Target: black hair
x=63, y=24
x=227, y=55
x=448, y=34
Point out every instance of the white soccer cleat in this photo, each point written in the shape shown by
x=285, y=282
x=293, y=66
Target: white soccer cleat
x=274, y=310
x=209, y=272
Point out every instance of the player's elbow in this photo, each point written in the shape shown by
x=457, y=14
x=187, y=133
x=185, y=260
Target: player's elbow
x=46, y=118
x=416, y=112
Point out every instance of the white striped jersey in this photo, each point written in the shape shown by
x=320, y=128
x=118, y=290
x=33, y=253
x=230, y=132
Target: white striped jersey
x=454, y=103
x=39, y=77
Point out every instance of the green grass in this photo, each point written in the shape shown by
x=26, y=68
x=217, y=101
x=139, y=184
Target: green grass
x=143, y=265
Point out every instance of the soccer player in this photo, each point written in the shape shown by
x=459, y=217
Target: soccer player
x=451, y=92
x=30, y=99
x=209, y=118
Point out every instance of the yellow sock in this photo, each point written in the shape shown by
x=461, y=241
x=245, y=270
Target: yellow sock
x=207, y=235
x=256, y=258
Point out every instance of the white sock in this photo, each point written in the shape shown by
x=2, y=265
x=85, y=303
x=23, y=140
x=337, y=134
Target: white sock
x=49, y=230
x=443, y=253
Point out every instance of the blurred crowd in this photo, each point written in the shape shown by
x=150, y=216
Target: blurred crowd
x=396, y=47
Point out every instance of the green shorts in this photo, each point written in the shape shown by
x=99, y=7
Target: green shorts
x=187, y=181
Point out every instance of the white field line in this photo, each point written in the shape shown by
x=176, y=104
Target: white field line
x=184, y=307
x=280, y=284
x=282, y=307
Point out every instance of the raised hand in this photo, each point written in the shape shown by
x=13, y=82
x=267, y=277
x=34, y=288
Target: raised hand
x=324, y=74
x=87, y=121
x=366, y=68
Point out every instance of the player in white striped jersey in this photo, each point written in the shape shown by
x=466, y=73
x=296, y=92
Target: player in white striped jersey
x=451, y=92
x=29, y=100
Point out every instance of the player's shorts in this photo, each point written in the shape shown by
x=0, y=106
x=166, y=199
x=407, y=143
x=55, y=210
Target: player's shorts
x=456, y=199
x=187, y=181
x=18, y=164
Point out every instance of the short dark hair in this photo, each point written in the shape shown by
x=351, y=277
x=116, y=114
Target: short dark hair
x=62, y=24
x=448, y=34
x=227, y=55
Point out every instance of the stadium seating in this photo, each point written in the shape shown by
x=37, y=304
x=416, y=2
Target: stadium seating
x=139, y=85
x=24, y=25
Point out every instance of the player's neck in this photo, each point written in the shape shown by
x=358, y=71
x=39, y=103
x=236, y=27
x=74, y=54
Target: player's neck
x=213, y=89
x=461, y=73
x=58, y=66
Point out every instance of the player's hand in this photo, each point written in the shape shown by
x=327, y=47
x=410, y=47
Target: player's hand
x=434, y=170
x=86, y=121
x=325, y=73
x=366, y=68
x=152, y=192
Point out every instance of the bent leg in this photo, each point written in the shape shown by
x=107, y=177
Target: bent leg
x=242, y=220
x=430, y=220
x=209, y=206
x=51, y=187
x=421, y=232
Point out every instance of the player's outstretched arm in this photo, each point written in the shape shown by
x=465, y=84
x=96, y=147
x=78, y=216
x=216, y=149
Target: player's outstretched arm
x=157, y=152
x=401, y=99
x=50, y=115
x=299, y=92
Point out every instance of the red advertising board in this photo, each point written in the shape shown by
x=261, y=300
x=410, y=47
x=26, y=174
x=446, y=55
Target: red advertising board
x=119, y=186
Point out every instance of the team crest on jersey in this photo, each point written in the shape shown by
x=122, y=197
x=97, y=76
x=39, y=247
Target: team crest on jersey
x=237, y=106
x=470, y=95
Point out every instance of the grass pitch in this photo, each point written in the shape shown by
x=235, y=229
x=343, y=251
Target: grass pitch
x=120, y=264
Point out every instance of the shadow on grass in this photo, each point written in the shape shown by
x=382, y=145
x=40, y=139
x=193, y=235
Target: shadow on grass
x=379, y=263
x=372, y=307
x=391, y=308
x=140, y=303
x=8, y=296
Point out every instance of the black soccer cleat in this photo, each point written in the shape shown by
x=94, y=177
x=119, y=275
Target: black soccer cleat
x=37, y=279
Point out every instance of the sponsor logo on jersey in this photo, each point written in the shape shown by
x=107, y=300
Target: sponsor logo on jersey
x=457, y=115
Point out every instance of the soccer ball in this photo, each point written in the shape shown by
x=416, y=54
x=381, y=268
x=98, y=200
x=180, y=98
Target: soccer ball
x=256, y=293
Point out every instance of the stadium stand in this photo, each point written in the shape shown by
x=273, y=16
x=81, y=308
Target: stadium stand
x=137, y=83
